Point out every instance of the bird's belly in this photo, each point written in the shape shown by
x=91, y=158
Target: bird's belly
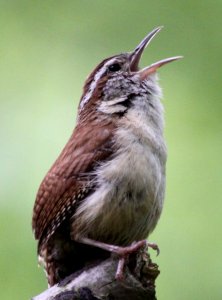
x=128, y=200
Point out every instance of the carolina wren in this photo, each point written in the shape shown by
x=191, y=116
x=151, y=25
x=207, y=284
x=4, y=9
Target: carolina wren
x=106, y=188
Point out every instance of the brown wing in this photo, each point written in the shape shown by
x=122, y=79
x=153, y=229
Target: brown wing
x=70, y=179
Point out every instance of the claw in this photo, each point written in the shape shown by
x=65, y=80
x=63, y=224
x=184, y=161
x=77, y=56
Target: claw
x=154, y=247
x=120, y=269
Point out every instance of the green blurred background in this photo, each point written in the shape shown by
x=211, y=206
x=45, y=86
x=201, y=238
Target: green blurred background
x=47, y=48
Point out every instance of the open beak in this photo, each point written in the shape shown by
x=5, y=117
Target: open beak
x=135, y=57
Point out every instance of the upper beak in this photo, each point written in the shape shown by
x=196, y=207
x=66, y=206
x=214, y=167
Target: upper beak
x=135, y=57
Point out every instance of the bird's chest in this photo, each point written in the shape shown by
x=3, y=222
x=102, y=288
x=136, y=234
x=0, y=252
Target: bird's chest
x=127, y=201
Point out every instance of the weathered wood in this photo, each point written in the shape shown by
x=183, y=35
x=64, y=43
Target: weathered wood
x=98, y=282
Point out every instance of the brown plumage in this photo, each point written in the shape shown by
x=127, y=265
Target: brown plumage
x=68, y=182
x=68, y=179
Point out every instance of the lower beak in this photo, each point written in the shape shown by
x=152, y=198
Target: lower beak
x=135, y=57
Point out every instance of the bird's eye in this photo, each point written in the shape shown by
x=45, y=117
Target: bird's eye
x=114, y=68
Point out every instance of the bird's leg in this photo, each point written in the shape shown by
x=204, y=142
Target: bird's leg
x=122, y=252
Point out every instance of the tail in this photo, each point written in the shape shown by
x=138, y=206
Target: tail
x=61, y=257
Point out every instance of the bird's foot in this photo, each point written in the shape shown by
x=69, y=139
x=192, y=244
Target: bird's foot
x=122, y=252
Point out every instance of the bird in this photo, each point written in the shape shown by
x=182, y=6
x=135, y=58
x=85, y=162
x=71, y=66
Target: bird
x=104, y=194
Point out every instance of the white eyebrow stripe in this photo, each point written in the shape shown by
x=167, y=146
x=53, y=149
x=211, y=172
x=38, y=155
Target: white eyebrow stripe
x=93, y=84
